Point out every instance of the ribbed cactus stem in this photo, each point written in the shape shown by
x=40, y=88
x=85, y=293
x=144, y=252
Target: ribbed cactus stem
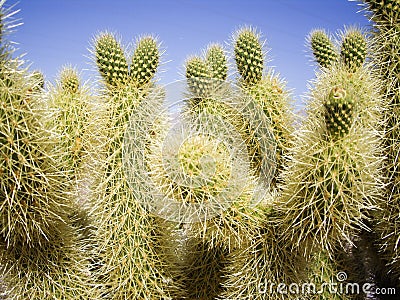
x=249, y=55
x=354, y=49
x=323, y=48
x=110, y=59
x=145, y=60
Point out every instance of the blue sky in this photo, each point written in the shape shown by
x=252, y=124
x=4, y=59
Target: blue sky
x=59, y=32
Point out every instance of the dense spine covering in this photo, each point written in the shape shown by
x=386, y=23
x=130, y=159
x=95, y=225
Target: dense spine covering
x=333, y=180
x=40, y=256
x=130, y=267
x=386, y=57
x=249, y=56
x=216, y=60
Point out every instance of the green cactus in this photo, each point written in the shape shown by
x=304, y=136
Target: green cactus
x=130, y=266
x=353, y=50
x=69, y=80
x=333, y=182
x=339, y=110
x=145, y=60
x=216, y=60
x=249, y=56
x=323, y=48
x=198, y=74
x=110, y=59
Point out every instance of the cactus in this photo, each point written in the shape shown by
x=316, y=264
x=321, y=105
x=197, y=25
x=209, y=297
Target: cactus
x=111, y=60
x=249, y=56
x=323, y=48
x=198, y=74
x=267, y=90
x=353, y=50
x=216, y=60
x=40, y=255
x=39, y=78
x=333, y=180
x=145, y=60
x=130, y=266
x=57, y=268
x=386, y=57
x=339, y=110
x=71, y=101
x=255, y=271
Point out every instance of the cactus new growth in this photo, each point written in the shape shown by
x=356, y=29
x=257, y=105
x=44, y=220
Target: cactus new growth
x=145, y=60
x=69, y=80
x=323, y=48
x=339, y=109
x=111, y=60
x=198, y=74
x=353, y=50
x=216, y=60
x=249, y=56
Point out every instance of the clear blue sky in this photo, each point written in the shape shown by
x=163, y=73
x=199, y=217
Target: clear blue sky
x=58, y=32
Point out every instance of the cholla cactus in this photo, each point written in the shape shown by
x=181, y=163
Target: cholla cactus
x=145, y=60
x=71, y=101
x=266, y=88
x=216, y=60
x=131, y=267
x=40, y=255
x=323, y=48
x=249, y=56
x=111, y=60
x=353, y=50
x=252, y=272
x=333, y=179
x=386, y=57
